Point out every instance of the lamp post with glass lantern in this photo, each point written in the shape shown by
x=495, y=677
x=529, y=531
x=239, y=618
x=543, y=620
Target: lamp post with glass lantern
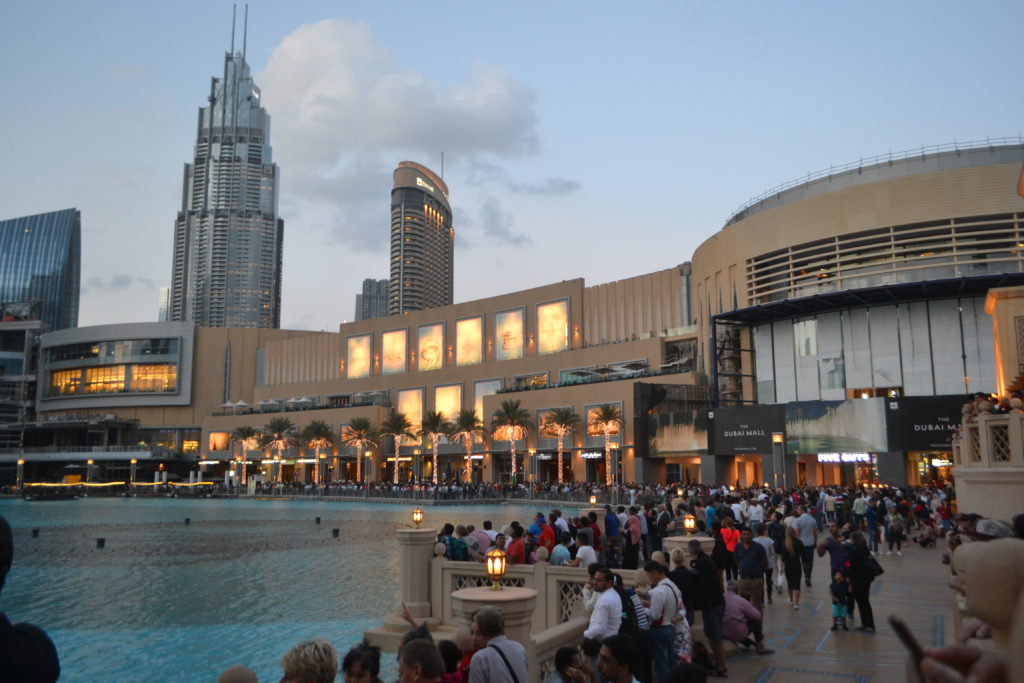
x=495, y=560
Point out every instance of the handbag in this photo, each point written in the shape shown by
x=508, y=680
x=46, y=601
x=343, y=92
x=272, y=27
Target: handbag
x=874, y=567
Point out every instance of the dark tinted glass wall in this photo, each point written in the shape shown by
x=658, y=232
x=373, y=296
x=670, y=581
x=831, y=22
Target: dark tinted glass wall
x=40, y=259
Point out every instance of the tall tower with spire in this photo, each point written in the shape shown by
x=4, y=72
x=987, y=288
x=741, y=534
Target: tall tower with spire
x=228, y=237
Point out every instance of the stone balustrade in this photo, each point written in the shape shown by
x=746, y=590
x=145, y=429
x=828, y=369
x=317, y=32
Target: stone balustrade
x=989, y=465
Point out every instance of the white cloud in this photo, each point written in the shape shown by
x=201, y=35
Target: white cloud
x=344, y=114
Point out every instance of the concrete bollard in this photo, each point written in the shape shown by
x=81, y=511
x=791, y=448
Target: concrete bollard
x=335, y=532
x=101, y=542
x=35, y=533
x=317, y=520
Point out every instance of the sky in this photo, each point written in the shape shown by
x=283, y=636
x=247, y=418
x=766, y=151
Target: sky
x=580, y=139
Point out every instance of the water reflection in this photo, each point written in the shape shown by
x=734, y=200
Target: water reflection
x=243, y=582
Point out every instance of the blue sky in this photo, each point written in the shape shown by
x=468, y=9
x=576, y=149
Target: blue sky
x=598, y=140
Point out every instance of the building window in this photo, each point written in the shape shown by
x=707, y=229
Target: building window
x=672, y=472
x=805, y=338
x=65, y=382
x=534, y=381
x=155, y=378
x=108, y=379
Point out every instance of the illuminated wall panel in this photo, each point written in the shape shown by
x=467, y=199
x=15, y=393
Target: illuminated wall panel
x=594, y=431
x=448, y=400
x=358, y=357
x=508, y=335
x=553, y=327
x=410, y=402
x=393, y=350
x=469, y=336
x=430, y=355
x=487, y=387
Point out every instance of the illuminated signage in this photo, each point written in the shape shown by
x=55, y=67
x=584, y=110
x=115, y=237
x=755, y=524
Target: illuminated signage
x=393, y=350
x=448, y=400
x=410, y=402
x=844, y=457
x=420, y=182
x=553, y=327
x=508, y=335
x=358, y=357
x=431, y=347
x=592, y=455
x=941, y=462
x=486, y=387
x=469, y=335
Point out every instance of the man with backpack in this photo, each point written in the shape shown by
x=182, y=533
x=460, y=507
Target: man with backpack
x=661, y=606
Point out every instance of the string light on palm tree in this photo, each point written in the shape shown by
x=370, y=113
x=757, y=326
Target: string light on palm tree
x=469, y=429
x=432, y=428
x=317, y=435
x=607, y=419
x=559, y=423
x=512, y=423
x=248, y=438
x=278, y=436
x=398, y=427
x=359, y=433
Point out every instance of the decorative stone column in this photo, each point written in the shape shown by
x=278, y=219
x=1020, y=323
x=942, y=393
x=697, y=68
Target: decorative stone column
x=415, y=549
x=516, y=605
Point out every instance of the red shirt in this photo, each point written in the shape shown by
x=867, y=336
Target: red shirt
x=516, y=551
x=547, y=537
x=597, y=537
x=730, y=536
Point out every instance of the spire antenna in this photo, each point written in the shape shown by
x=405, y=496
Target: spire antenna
x=234, y=9
x=245, y=31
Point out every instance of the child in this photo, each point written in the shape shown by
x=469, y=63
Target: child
x=839, y=591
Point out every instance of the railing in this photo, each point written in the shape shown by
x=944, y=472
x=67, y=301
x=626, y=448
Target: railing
x=992, y=441
x=596, y=380
x=80, y=449
x=922, y=152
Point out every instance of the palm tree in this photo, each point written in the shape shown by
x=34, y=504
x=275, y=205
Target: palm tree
x=511, y=423
x=433, y=427
x=359, y=432
x=468, y=428
x=607, y=418
x=243, y=435
x=559, y=422
x=278, y=435
x=397, y=426
x=316, y=435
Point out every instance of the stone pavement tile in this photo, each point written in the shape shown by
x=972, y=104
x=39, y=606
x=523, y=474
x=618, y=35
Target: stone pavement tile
x=913, y=587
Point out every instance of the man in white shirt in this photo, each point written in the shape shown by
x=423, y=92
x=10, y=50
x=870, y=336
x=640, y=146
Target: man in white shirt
x=607, y=615
x=662, y=605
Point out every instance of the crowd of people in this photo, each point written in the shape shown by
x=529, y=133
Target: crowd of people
x=749, y=549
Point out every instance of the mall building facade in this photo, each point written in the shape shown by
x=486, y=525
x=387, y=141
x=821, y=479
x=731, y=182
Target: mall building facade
x=845, y=315
x=828, y=333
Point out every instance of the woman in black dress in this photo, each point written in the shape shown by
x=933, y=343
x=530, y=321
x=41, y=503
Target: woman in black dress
x=792, y=555
x=861, y=577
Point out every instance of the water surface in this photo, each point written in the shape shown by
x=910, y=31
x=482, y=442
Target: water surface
x=240, y=584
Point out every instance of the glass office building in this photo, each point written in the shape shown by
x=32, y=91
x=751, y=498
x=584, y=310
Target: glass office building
x=227, y=236
x=40, y=260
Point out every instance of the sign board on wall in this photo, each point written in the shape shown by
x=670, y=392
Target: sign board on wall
x=923, y=423
x=746, y=429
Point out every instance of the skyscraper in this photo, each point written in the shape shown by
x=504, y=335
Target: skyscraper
x=228, y=238
x=373, y=302
x=422, y=241
x=40, y=260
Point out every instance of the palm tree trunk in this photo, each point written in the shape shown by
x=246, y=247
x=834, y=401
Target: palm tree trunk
x=394, y=476
x=609, y=477
x=561, y=442
x=359, y=462
x=512, y=448
x=468, y=444
x=433, y=440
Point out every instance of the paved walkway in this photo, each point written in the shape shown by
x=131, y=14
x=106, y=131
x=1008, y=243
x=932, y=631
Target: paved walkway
x=914, y=587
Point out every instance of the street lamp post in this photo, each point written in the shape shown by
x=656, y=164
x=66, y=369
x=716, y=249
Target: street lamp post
x=779, y=458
